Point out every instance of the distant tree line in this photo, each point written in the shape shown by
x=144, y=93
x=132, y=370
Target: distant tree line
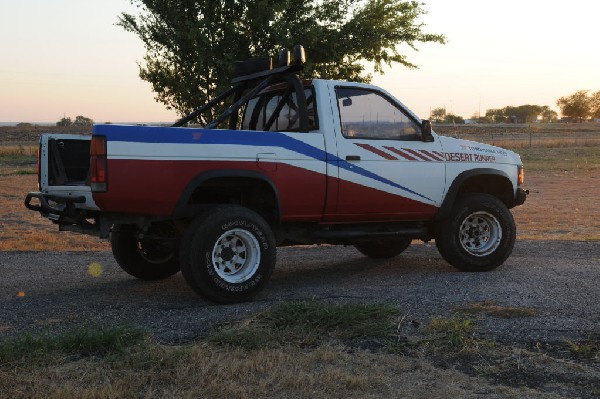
x=80, y=120
x=578, y=107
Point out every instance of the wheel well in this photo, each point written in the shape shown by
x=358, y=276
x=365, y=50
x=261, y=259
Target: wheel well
x=496, y=185
x=478, y=181
x=249, y=192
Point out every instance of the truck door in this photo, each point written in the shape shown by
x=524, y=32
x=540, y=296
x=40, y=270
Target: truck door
x=385, y=170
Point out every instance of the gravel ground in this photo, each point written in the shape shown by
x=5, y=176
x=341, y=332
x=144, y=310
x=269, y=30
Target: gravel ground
x=54, y=291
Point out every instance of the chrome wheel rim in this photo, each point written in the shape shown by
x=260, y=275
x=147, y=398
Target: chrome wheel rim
x=480, y=234
x=236, y=256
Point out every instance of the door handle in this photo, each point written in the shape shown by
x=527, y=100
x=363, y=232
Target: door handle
x=352, y=157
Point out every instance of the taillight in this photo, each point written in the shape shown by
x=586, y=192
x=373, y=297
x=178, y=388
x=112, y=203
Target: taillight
x=98, y=163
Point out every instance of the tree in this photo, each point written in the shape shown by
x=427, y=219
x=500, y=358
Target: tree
x=578, y=105
x=81, y=120
x=454, y=119
x=191, y=44
x=438, y=114
x=595, y=104
x=64, y=121
x=548, y=115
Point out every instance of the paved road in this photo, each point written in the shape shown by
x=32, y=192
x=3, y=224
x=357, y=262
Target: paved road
x=55, y=291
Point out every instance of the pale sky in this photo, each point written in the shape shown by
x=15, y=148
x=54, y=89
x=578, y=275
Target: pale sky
x=68, y=57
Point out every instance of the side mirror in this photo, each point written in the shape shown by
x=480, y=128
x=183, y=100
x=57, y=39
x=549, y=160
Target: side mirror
x=346, y=102
x=426, y=135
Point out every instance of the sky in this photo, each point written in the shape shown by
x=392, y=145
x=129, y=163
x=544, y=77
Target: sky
x=67, y=57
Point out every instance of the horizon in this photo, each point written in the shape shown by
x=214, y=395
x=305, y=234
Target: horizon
x=496, y=56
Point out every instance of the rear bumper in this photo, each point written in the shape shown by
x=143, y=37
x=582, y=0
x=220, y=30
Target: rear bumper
x=61, y=205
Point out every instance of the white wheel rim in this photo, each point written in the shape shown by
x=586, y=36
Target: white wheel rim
x=480, y=234
x=236, y=256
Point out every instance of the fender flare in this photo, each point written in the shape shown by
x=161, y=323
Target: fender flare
x=182, y=207
x=452, y=194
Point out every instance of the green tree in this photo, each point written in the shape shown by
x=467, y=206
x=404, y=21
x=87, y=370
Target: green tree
x=64, y=121
x=548, y=115
x=81, y=120
x=191, y=44
x=578, y=105
x=454, y=119
x=438, y=114
x=595, y=105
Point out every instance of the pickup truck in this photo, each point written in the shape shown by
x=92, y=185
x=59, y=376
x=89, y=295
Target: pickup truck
x=275, y=161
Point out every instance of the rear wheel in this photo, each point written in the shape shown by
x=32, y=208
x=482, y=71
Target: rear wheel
x=480, y=234
x=149, y=258
x=228, y=254
x=383, y=249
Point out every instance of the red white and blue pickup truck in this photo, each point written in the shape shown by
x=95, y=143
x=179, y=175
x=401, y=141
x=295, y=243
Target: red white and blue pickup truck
x=287, y=162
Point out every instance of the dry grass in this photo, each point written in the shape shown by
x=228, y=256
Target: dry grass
x=127, y=365
x=18, y=150
x=449, y=362
x=24, y=230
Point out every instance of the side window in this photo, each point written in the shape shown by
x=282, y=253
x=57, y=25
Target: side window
x=276, y=109
x=367, y=114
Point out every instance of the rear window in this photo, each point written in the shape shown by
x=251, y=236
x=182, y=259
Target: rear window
x=276, y=110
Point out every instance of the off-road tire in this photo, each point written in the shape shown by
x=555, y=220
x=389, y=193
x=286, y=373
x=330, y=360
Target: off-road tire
x=478, y=236
x=146, y=259
x=383, y=249
x=228, y=254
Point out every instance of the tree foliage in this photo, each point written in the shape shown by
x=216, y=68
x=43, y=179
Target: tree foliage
x=64, y=121
x=521, y=114
x=439, y=115
x=191, y=44
x=578, y=105
x=80, y=120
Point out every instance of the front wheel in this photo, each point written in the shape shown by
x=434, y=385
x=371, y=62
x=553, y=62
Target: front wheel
x=228, y=254
x=479, y=235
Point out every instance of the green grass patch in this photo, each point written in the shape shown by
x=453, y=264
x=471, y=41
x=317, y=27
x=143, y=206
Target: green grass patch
x=454, y=334
x=83, y=342
x=491, y=308
x=310, y=323
x=589, y=349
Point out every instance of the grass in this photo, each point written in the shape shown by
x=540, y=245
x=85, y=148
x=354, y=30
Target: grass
x=561, y=159
x=454, y=334
x=491, y=308
x=307, y=324
x=449, y=362
x=83, y=342
x=589, y=349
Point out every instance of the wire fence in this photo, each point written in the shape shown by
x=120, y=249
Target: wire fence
x=527, y=135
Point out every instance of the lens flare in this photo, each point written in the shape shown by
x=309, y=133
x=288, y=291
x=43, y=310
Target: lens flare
x=95, y=269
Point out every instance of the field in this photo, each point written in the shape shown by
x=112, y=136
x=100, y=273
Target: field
x=313, y=348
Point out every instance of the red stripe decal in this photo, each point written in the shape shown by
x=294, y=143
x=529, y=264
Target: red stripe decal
x=399, y=152
x=433, y=155
x=417, y=154
x=377, y=151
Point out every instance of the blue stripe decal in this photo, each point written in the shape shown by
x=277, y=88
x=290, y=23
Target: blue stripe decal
x=177, y=135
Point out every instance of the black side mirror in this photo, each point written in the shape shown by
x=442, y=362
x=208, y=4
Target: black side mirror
x=346, y=102
x=426, y=135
